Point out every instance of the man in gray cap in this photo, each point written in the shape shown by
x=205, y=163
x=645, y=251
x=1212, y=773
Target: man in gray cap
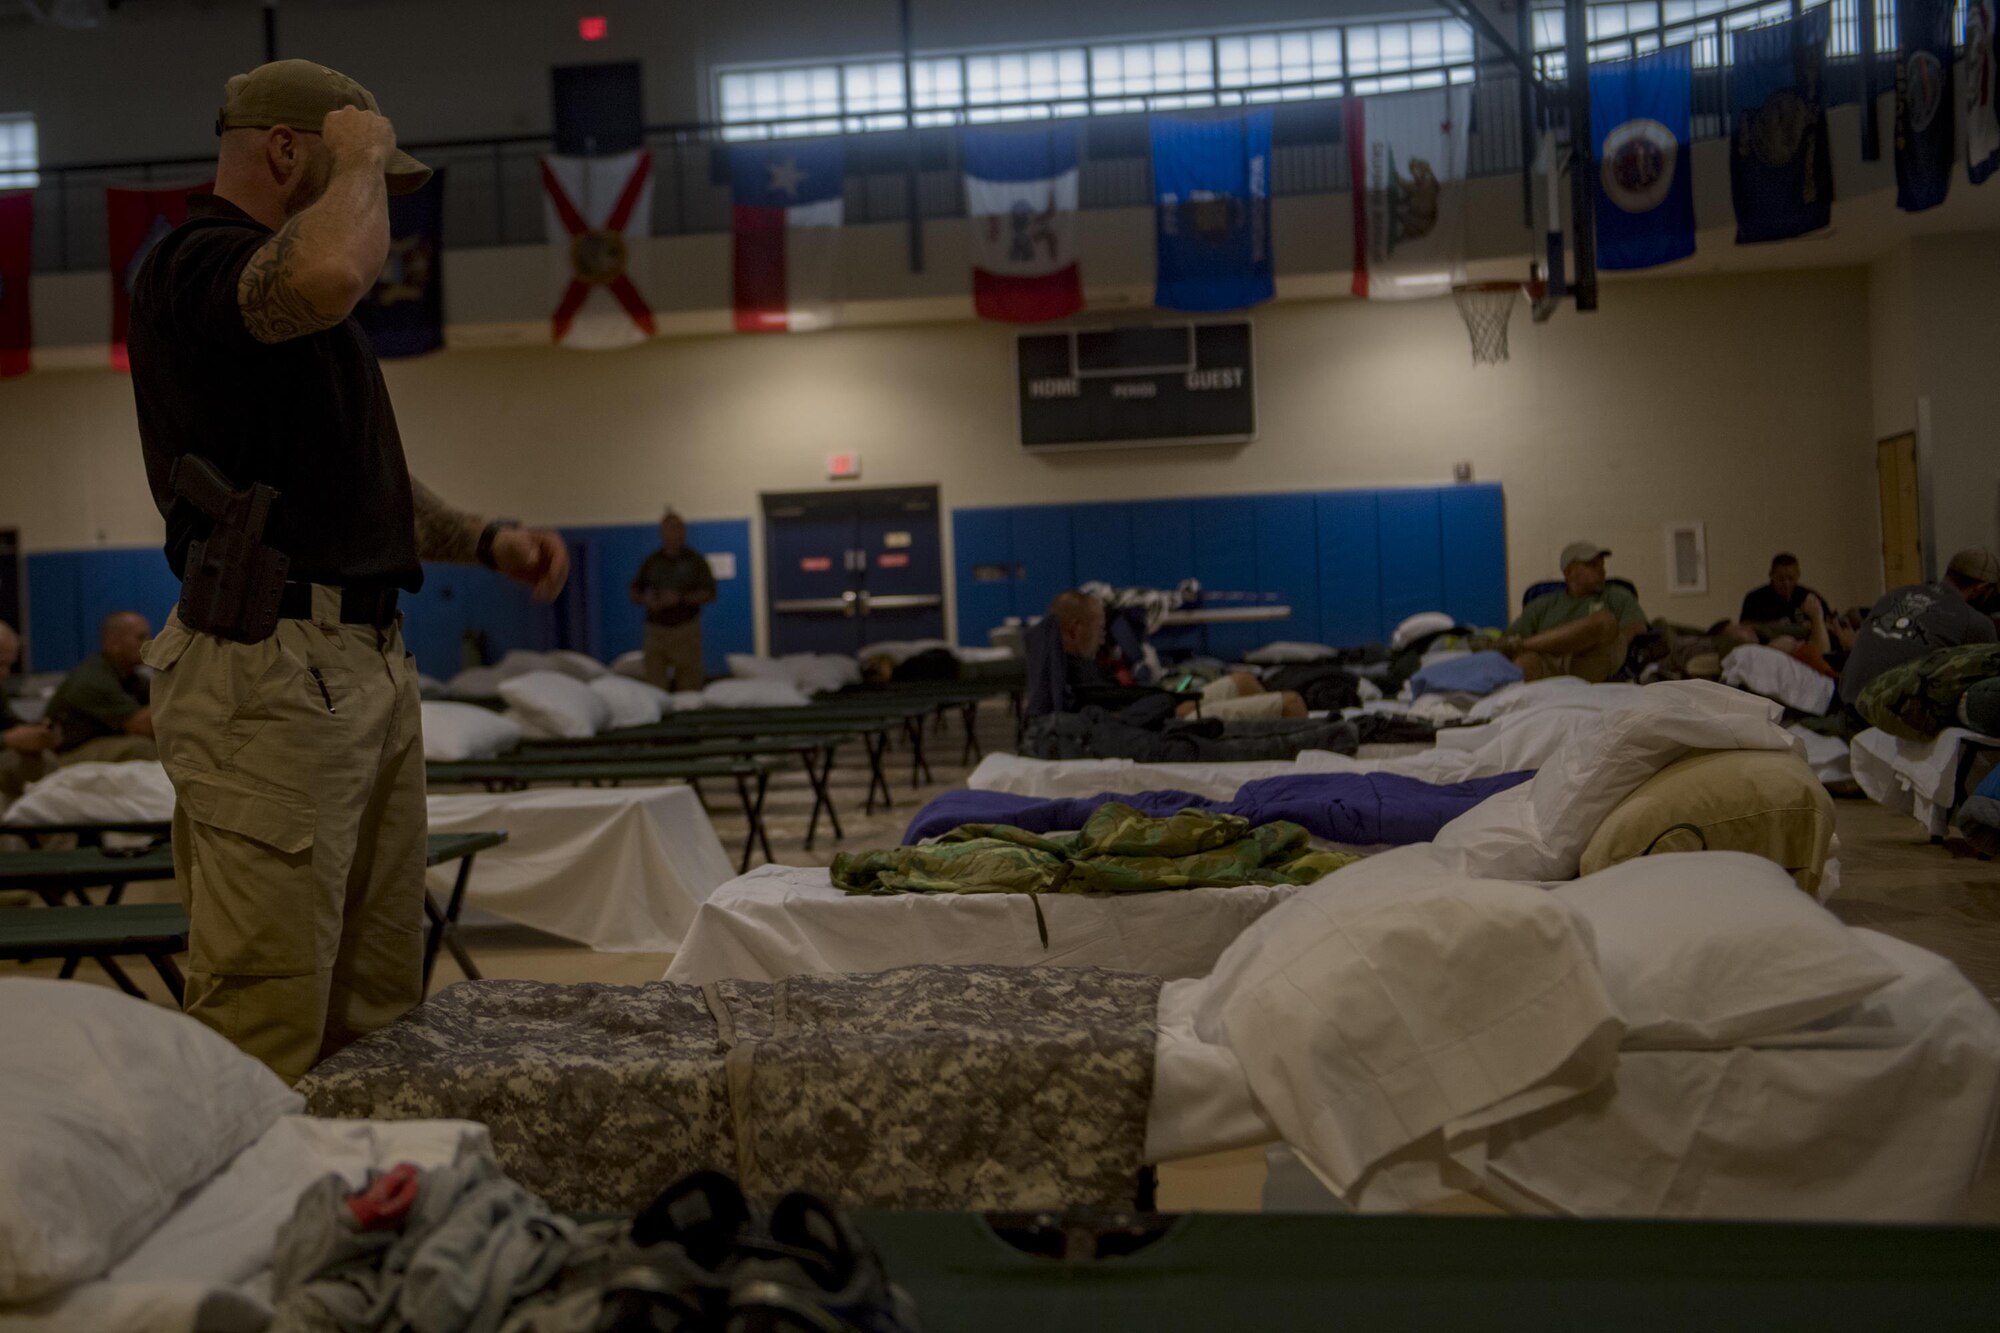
x=1912, y=620
x=1582, y=630
x=285, y=705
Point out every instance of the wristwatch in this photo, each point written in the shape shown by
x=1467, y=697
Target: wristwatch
x=486, y=536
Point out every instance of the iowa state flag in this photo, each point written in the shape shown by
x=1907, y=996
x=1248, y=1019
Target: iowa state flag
x=136, y=221
x=599, y=213
x=1020, y=203
x=1406, y=153
x=17, y=248
x=789, y=204
x=404, y=314
x=1642, y=118
x=1212, y=185
x=1780, y=167
x=1926, y=103
x=1982, y=118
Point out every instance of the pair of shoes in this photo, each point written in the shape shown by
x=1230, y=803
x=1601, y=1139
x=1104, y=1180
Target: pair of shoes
x=709, y=1262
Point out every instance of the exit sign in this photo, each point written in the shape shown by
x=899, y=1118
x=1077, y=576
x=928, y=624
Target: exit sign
x=843, y=467
x=593, y=29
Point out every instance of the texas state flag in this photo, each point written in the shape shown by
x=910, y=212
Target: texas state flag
x=1020, y=202
x=788, y=211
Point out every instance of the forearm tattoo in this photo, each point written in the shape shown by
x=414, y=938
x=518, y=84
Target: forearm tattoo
x=274, y=309
x=444, y=534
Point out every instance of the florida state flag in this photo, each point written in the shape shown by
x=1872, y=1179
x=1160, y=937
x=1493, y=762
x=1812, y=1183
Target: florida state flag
x=599, y=211
x=17, y=237
x=136, y=221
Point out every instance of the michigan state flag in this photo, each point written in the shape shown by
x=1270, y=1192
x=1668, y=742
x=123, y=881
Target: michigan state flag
x=1213, y=184
x=1925, y=103
x=1642, y=116
x=404, y=314
x=1780, y=167
x=1977, y=82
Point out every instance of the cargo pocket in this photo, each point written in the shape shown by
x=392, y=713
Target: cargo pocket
x=166, y=647
x=254, y=900
x=277, y=819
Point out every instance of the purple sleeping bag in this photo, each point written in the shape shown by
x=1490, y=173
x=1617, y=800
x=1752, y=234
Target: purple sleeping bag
x=1365, y=809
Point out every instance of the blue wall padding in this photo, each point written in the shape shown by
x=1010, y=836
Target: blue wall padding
x=1350, y=564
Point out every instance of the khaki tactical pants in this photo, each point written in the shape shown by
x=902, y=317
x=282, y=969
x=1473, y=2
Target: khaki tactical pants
x=673, y=656
x=299, y=829
x=111, y=750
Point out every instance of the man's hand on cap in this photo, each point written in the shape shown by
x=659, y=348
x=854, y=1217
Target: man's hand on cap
x=354, y=133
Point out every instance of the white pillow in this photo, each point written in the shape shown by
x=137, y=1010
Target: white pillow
x=633, y=703
x=900, y=651
x=1418, y=625
x=454, y=732
x=581, y=665
x=557, y=705
x=113, y=1109
x=430, y=687
x=753, y=694
x=686, y=701
x=521, y=661
x=475, y=683
x=748, y=666
x=1780, y=676
x=822, y=675
x=631, y=664
x=1283, y=651
x=1568, y=691
x=96, y=794
x=1704, y=949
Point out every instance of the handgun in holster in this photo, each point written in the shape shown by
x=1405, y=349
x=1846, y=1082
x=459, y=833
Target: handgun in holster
x=233, y=583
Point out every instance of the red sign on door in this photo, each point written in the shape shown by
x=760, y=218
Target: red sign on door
x=816, y=564
x=892, y=562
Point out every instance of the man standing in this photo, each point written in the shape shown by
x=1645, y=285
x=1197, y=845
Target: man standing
x=1582, y=630
x=1784, y=601
x=1911, y=621
x=284, y=703
x=674, y=584
x=24, y=746
x=102, y=707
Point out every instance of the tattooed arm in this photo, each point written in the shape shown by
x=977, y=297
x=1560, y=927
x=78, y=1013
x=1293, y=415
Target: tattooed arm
x=327, y=257
x=533, y=557
x=446, y=535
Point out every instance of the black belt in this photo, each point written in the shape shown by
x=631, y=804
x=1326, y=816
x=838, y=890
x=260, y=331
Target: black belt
x=359, y=605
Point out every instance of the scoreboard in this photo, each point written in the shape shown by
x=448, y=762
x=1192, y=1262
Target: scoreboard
x=1144, y=384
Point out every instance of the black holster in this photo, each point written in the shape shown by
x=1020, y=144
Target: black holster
x=232, y=584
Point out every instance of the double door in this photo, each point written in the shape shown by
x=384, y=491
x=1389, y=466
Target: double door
x=850, y=568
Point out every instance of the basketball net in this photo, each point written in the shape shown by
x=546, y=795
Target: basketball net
x=1486, y=308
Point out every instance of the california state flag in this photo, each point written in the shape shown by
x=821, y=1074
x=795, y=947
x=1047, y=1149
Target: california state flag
x=1406, y=152
x=1020, y=203
x=599, y=213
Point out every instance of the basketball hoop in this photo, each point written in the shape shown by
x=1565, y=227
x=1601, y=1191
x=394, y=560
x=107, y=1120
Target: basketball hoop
x=1486, y=308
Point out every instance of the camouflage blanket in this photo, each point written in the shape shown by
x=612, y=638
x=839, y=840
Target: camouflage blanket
x=924, y=1087
x=1919, y=699
x=1118, y=850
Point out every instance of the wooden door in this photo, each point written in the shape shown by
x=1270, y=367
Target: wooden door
x=1896, y=476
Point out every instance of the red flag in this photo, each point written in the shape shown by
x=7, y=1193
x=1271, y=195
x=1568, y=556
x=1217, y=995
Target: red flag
x=17, y=245
x=136, y=221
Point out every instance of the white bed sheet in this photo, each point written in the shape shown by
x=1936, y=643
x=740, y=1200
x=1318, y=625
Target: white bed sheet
x=207, y=1265
x=1827, y=755
x=780, y=921
x=1916, y=778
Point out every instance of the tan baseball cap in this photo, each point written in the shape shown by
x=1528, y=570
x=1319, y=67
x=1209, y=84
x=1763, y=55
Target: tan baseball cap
x=1580, y=553
x=299, y=94
x=1975, y=564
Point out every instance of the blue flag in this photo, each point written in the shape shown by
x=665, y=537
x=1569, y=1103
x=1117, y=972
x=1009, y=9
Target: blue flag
x=1642, y=118
x=1780, y=167
x=1212, y=180
x=1926, y=103
x=404, y=314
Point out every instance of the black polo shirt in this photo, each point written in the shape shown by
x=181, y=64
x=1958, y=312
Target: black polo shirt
x=309, y=417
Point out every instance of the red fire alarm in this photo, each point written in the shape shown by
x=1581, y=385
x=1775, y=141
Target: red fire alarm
x=593, y=29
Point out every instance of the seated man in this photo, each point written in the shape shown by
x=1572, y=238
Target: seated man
x=24, y=746
x=1780, y=606
x=1582, y=630
x=1916, y=619
x=101, y=707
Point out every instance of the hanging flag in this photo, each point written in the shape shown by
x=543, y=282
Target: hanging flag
x=599, y=213
x=1926, y=103
x=1020, y=202
x=17, y=249
x=1780, y=168
x=1212, y=181
x=1404, y=152
x=404, y=314
x=1982, y=121
x=1642, y=117
x=136, y=221
x=789, y=203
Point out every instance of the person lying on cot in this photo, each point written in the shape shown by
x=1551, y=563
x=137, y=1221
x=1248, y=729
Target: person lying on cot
x=1080, y=618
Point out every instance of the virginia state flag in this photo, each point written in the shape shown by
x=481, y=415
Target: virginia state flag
x=598, y=212
x=1926, y=103
x=1212, y=181
x=1978, y=84
x=17, y=246
x=789, y=206
x=1020, y=203
x=1780, y=168
x=1642, y=118
x=404, y=314
x=136, y=221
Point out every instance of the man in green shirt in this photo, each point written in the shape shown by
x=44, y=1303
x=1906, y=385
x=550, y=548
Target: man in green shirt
x=673, y=585
x=102, y=708
x=1582, y=630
